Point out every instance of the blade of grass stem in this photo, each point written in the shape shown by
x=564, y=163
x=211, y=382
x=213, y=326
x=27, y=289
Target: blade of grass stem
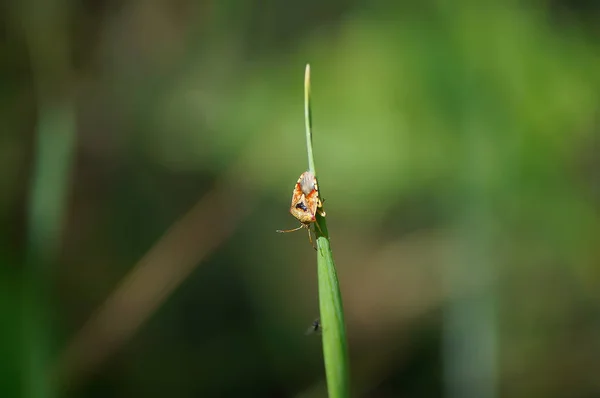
x=335, y=351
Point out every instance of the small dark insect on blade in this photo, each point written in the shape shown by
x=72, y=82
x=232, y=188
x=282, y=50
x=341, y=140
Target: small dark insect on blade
x=315, y=327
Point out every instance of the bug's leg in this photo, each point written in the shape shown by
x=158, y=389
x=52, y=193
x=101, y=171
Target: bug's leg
x=283, y=231
x=320, y=208
x=319, y=227
x=310, y=238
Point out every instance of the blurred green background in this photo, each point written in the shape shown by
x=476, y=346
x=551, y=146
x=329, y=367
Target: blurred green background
x=149, y=151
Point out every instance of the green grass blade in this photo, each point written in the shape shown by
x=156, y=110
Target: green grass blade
x=335, y=351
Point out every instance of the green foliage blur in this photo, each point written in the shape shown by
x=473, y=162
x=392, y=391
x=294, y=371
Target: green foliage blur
x=149, y=151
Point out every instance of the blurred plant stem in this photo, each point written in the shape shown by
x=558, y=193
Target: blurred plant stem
x=44, y=29
x=470, y=316
x=335, y=351
x=183, y=247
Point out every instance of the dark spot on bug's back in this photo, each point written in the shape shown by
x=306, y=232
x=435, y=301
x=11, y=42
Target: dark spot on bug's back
x=301, y=206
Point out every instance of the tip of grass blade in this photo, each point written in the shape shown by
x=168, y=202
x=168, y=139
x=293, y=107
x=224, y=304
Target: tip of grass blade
x=307, y=81
x=308, y=120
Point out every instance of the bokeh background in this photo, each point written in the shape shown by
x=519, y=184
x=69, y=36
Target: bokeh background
x=149, y=150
